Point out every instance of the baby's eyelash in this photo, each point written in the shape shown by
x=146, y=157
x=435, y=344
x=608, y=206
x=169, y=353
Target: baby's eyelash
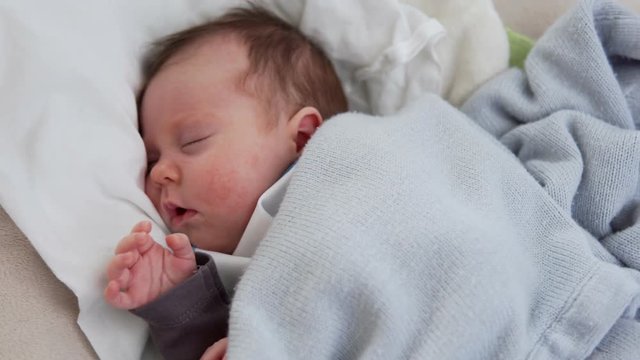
x=195, y=141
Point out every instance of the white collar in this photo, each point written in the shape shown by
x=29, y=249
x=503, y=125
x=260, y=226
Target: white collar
x=231, y=267
x=266, y=208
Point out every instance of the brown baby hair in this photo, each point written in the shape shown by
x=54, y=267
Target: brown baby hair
x=283, y=61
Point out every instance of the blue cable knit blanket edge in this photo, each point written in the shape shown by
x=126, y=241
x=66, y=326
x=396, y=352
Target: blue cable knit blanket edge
x=509, y=230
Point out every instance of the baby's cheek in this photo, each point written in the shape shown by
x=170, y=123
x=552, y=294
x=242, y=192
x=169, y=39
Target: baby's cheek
x=225, y=190
x=153, y=193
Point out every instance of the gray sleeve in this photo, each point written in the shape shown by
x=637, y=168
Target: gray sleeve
x=190, y=317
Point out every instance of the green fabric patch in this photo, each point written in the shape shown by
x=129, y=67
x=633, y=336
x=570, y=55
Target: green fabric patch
x=519, y=46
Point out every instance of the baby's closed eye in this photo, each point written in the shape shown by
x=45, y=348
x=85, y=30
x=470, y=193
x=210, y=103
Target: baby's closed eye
x=193, y=145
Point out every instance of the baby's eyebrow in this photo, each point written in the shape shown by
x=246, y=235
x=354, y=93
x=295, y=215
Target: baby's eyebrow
x=193, y=128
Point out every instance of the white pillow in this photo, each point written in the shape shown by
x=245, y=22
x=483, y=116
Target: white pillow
x=72, y=162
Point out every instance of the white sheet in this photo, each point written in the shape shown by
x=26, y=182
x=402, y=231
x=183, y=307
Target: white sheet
x=72, y=165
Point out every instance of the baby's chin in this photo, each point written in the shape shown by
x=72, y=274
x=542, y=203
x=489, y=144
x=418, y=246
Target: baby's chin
x=205, y=241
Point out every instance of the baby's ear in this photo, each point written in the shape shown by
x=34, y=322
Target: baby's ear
x=303, y=125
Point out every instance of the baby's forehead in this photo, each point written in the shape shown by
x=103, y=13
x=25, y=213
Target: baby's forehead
x=210, y=48
x=211, y=57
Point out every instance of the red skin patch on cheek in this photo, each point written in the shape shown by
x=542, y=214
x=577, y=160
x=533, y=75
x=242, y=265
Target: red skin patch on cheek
x=226, y=192
x=232, y=200
x=254, y=161
x=218, y=188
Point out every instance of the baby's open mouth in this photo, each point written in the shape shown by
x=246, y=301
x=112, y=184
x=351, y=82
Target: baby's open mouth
x=178, y=215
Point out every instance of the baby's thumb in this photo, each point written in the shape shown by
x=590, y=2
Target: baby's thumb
x=180, y=246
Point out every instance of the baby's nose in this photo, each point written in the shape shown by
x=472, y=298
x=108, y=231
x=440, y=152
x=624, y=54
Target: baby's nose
x=164, y=172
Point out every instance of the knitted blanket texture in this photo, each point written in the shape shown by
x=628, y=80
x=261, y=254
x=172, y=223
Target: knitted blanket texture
x=509, y=230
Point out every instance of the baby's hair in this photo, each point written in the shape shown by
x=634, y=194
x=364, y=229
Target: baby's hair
x=284, y=58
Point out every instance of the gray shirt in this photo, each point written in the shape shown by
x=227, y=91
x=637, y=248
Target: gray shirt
x=189, y=318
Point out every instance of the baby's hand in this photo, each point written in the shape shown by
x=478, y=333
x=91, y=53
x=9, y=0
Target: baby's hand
x=142, y=269
x=217, y=351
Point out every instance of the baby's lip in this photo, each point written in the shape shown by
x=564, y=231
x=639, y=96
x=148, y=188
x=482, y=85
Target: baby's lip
x=177, y=214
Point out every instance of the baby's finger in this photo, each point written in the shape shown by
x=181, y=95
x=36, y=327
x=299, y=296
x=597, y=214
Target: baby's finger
x=180, y=245
x=117, y=298
x=127, y=243
x=142, y=226
x=144, y=243
x=120, y=265
x=111, y=292
x=135, y=241
x=216, y=351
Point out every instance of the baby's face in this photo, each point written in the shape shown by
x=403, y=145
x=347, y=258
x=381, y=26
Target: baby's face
x=210, y=148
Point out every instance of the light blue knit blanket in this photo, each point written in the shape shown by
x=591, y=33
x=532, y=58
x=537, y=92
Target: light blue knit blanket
x=421, y=235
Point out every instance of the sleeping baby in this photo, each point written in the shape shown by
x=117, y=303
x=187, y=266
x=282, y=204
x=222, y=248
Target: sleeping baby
x=227, y=109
